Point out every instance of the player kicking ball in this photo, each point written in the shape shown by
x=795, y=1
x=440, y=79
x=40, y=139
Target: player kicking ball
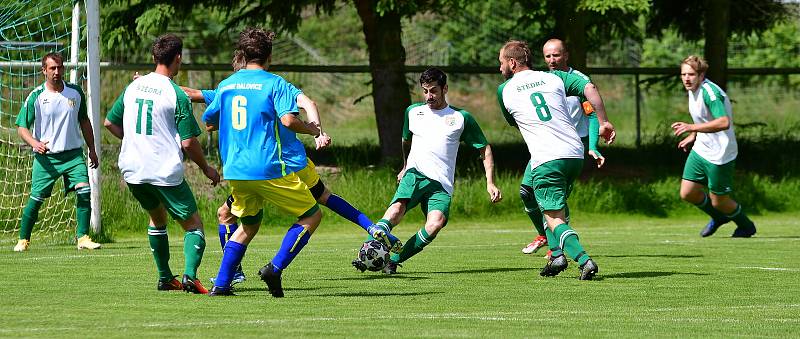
x=435, y=130
x=303, y=166
x=712, y=159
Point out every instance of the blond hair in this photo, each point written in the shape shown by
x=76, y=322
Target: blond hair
x=517, y=50
x=697, y=63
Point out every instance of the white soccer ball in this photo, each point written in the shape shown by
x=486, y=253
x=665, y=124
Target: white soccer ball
x=374, y=254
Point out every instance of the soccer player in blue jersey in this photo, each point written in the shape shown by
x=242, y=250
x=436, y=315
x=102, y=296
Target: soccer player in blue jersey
x=304, y=168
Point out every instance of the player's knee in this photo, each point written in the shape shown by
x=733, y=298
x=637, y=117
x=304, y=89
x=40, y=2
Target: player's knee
x=691, y=195
x=526, y=193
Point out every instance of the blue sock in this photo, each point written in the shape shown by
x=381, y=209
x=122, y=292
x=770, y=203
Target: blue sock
x=347, y=211
x=231, y=258
x=225, y=233
x=296, y=238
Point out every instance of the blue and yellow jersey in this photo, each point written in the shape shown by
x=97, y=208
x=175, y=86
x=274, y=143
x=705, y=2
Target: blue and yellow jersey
x=247, y=108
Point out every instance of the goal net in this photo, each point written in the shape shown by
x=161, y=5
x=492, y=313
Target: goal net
x=30, y=29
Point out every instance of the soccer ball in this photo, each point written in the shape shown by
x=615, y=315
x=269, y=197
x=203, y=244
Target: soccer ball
x=374, y=255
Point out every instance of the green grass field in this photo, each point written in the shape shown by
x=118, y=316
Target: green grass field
x=657, y=278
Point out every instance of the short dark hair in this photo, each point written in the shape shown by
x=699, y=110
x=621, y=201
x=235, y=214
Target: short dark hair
x=166, y=47
x=519, y=51
x=255, y=44
x=52, y=55
x=432, y=75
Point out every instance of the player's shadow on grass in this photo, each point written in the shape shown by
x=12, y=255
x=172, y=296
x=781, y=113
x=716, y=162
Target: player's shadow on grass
x=486, y=270
x=778, y=237
x=644, y=274
x=672, y=256
x=367, y=276
x=375, y=294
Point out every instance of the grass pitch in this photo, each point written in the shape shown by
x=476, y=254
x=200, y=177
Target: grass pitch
x=657, y=278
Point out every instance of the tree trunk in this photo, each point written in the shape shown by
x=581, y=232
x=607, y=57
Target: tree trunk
x=387, y=58
x=717, y=21
x=570, y=26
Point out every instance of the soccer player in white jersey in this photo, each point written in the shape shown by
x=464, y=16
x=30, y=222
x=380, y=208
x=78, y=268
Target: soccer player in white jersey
x=434, y=130
x=154, y=119
x=535, y=103
x=585, y=120
x=712, y=159
x=53, y=121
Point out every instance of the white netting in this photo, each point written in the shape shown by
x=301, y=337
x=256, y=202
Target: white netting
x=28, y=30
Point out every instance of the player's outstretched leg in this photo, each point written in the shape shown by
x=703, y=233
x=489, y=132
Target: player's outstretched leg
x=413, y=245
x=381, y=231
x=347, y=211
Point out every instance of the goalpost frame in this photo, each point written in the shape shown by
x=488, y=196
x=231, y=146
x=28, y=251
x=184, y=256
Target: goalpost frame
x=93, y=93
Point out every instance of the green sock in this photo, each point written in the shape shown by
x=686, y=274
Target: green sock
x=29, y=217
x=159, y=245
x=194, y=244
x=413, y=245
x=706, y=207
x=569, y=242
x=83, y=209
x=382, y=222
x=552, y=243
x=533, y=211
x=740, y=218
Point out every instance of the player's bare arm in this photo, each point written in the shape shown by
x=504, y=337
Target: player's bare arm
x=291, y=122
x=38, y=146
x=195, y=95
x=606, y=128
x=304, y=102
x=195, y=152
x=404, y=145
x=88, y=138
x=713, y=126
x=488, y=166
x=115, y=130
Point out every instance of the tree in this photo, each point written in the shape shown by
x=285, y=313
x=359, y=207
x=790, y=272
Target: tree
x=585, y=23
x=382, y=32
x=715, y=21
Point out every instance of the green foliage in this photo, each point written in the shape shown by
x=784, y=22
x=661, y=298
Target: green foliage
x=687, y=16
x=624, y=6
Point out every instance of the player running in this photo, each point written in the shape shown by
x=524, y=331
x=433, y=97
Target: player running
x=154, y=119
x=305, y=169
x=535, y=103
x=583, y=117
x=713, y=157
x=434, y=129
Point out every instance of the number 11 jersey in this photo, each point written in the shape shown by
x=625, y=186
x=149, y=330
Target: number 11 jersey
x=155, y=115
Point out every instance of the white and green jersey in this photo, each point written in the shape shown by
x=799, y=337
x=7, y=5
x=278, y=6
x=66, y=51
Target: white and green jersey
x=575, y=108
x=535, y=102
x=436, y=136
x=55, y=117
x=707, y=103
x=155, y=115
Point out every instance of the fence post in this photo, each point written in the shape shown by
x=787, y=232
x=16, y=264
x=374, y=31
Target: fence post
x=638, y=112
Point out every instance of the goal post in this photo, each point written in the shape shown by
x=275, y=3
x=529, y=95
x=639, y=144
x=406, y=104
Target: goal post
x=28, y=30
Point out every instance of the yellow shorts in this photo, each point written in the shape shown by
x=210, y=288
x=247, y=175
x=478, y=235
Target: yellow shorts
x=289, y=193
x=308, y=175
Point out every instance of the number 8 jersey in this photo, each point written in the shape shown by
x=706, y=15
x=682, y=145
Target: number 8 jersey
x=155, y=115
x=535, y=102
x=247, y=108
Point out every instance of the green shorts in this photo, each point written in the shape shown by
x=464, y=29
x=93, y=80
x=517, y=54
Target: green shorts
x=421, y=190
x=47, y=168
x=178, y=200
x=552, y=182
x=718, y=178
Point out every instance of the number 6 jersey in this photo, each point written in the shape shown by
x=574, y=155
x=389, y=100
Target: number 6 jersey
x=155, y=115
x=535, y=102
